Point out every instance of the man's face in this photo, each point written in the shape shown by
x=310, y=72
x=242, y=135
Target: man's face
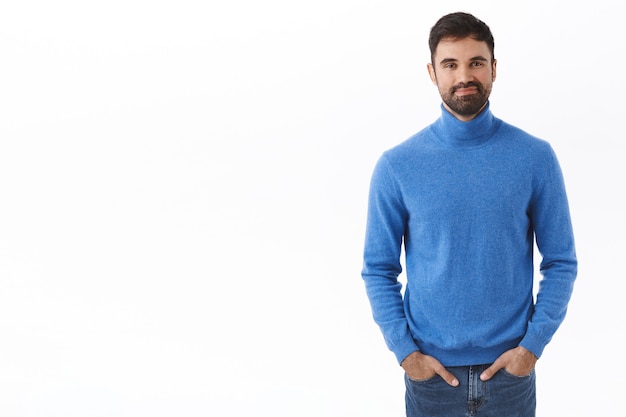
x=463, y=72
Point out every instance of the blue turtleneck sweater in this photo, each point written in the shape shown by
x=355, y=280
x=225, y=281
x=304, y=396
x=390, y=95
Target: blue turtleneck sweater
x=468, y=200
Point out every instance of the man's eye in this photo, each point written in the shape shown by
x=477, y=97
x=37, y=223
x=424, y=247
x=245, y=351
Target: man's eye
x=477, y=64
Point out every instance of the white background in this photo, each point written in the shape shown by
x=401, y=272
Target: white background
x=183, y=191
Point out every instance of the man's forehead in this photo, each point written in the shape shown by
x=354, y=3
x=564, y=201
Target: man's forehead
x=462, y=48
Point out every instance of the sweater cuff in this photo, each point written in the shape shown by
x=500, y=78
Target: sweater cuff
x=405, y=349
x=533, y=344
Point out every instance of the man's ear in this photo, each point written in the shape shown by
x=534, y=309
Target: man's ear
x=493, y=70
x=431, y=73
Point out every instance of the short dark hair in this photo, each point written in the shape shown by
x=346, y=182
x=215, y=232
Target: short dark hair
x=459, y=25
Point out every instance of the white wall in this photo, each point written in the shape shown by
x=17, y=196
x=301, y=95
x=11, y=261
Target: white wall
x=183, y=189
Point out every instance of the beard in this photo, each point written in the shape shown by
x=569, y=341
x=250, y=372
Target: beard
x=467, y=105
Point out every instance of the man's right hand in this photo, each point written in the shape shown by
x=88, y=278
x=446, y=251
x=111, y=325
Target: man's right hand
x=420, y=367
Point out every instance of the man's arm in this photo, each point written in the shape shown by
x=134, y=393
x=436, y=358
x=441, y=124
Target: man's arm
x=386, y=223
x=550, y=216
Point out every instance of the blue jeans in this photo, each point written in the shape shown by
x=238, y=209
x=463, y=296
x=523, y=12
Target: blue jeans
x=504, y=395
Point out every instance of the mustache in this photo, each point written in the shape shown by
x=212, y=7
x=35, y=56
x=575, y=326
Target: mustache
x=478, y=86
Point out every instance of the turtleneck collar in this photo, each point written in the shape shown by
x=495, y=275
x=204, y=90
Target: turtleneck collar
x=456, y=133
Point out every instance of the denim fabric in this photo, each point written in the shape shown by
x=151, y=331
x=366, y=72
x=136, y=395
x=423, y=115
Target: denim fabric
x=504, y=395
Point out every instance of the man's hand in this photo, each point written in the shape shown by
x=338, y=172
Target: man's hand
x=518, y=361
x=419, y=367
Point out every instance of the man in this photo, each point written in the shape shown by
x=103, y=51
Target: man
x=468, y=196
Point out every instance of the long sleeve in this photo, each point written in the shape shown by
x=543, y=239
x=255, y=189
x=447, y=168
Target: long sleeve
x=386, y=223
x=550, y=216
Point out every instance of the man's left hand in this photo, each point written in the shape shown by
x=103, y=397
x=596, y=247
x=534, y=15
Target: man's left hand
x=517, y=361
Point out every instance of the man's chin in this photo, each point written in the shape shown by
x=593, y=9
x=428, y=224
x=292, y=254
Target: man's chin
x=467, y=107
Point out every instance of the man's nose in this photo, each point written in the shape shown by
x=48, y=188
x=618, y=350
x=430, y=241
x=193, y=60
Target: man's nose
x=464, y=75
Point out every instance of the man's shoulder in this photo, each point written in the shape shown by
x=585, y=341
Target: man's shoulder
x=522, y=137
x=410, y=145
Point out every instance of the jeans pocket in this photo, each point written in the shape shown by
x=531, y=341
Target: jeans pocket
x=510, y=375
x=421, y=381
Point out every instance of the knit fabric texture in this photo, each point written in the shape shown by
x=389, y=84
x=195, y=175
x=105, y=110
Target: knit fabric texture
x=466, y=202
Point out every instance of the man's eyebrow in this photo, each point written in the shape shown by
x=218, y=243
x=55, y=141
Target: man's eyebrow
x=447, y=60
x=476, y=58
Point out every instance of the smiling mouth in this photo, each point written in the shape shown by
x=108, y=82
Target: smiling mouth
x=463, y=91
